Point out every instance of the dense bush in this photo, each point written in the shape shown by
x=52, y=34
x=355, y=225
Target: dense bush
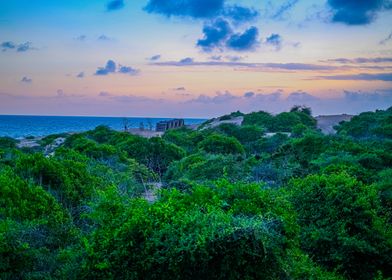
x=342, y=225
x=272, y=198
x=369, y=125
x=207, y=233
x=220, y=144
x=33, y=228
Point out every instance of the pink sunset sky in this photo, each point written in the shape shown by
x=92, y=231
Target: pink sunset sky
x=194, y=58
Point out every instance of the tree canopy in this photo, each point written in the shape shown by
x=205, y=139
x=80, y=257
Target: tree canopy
x=271, y=198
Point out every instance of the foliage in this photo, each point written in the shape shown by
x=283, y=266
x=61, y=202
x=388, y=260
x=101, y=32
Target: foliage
x=201, y=167
x=33, y=227
x=369, y=125
x=7, y=143
x=220, y=144
x=341, y=224
x=207, y=233
x=272, y=198
x=283, y=122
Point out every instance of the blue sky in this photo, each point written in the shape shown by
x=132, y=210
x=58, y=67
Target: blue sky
x=92, y=57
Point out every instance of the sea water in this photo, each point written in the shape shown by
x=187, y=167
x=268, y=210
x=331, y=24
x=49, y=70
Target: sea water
x=24, y=126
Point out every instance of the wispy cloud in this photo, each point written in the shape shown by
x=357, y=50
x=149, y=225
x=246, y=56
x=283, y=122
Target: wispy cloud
x=22, y=47
x=274, y=40
x=202, y=9
x=8, y=45
x=128, y=70
x=239, y=14
x=203, y=105
x=386, y=40
x=155, y=57
x=60, y=94
x=26, y=80
x=282, y=11
x=81, y=38
x=386, y=77
x=187, y=8
x=260, y=66
x=104, y=94
x=104, y=38
x=114, y=5
x=80, y=75
x=360, y=60
x=359, y=64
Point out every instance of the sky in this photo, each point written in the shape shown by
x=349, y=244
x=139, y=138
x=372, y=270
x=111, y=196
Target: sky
x=194, y=58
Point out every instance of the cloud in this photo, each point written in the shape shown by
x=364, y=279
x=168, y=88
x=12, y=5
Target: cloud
x=249, y=94
x=183, y=94
x=203, y=106
x=360, y=60
x=128, y=70
x=197, y=9
x=350, y=102
x=26, y=80
x=358, y=96
x=131, y=98
x=60, y=93
x=248, y=40
x=231, y=58
x=300, y=97
x=104, y=38
x=101, y=38
x=186, y=61
x=282, y=10
x=80, y=75
x=111, y=67
x=386, y=40
x=8, y=45
x=218, y=21
x=354, y=12
x=217, y=99
x=215, y=34
x=247, y=99
x=274, y=40
x=246, y=65
x=202, y=9
x=180, y=89
x=219, y=35
x=216, y=57
x=387, y=77
x=81, y=38
x=22, y=47
x=104, y=94
x=115, y=5
x=234, y=58
x=155, y=57
x=239, y=14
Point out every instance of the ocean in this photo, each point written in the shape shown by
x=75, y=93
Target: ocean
x=24, y=126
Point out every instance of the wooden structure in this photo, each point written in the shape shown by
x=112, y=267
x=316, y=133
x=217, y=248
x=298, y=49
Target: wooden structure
x=170, y=124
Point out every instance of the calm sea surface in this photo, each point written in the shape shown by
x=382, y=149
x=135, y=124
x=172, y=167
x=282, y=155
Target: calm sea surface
x=22, y=126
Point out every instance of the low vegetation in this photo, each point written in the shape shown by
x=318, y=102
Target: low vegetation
x=273, y=198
